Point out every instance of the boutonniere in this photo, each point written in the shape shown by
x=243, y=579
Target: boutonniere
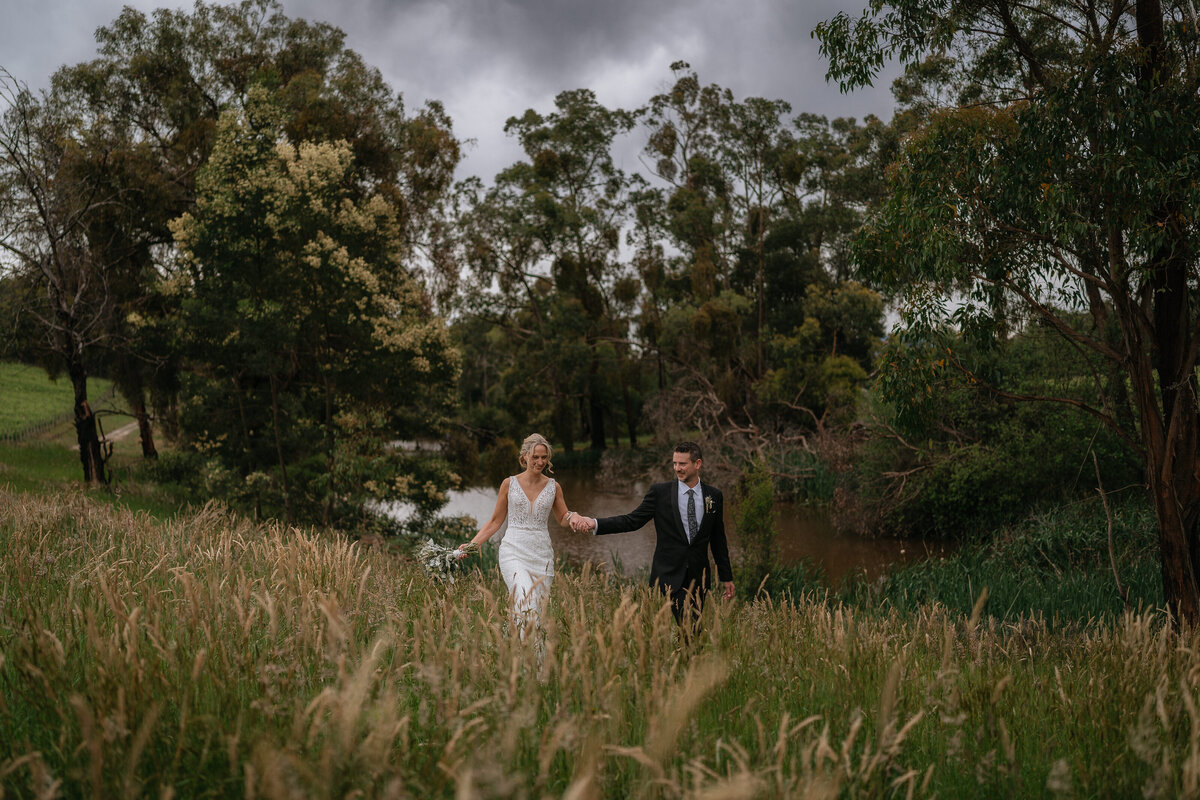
x=708, y=504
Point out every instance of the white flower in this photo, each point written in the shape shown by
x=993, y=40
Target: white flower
x=708, y=503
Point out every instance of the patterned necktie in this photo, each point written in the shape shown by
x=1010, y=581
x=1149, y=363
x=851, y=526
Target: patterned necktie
x=693, y=527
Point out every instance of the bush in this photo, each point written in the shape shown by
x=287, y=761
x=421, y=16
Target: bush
x=181, y=467
x=958, y=459
x=754, y=519
x=499, y=461
x=805, y=478
x=1055, y=565
x=462, y=452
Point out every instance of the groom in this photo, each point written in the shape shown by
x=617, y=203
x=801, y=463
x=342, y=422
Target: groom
x=688, y=520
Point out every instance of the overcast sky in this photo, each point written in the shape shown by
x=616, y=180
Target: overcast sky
x=487, y=60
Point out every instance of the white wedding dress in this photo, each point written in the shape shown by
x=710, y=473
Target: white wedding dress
x=526, y=555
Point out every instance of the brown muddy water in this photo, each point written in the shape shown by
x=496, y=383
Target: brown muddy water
x=805, y=533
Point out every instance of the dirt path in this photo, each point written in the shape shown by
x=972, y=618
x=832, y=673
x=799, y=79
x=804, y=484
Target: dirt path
x=120, y=433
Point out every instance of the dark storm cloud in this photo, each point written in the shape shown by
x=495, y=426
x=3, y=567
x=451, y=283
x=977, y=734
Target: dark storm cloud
x=487, y=60
x=490, y=60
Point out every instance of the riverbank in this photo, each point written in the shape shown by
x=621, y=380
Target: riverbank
x=1055, y=565
x=208, y=656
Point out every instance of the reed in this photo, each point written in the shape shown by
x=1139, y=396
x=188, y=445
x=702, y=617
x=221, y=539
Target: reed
x=206, y=656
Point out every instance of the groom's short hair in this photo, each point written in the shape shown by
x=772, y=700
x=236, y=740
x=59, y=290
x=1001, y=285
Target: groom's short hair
x=691, y=448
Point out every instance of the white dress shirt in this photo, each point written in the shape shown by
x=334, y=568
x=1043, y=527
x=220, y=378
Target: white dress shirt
x=683, y=503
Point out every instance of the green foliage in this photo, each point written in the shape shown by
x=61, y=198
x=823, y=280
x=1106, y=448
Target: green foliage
x=1054, y=565
x=754, y=520
x=310, y=344
x=735, y=298
x=804, y=477
x=953, y=462
x=802, y=581
x=499, y=461
x=550, y=301
x=461, y=452
x=1056, y=187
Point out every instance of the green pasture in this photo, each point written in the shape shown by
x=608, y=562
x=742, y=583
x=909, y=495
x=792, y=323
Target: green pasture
x=28, y=397
x=46, y=463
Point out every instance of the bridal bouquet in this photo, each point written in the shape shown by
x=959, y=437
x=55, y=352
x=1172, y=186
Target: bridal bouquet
x=440, y=563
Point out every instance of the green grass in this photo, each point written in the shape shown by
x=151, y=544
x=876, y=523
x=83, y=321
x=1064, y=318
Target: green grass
x=206, y=656
x=1055, y=565
x=28, y=397
x=46, y=464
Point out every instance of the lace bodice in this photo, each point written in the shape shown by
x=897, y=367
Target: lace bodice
x=521, y=515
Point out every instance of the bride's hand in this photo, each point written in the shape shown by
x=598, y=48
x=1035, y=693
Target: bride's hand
x=464, y=550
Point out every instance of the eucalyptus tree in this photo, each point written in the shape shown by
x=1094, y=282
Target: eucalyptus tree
x=549, y=233
x=684, y=129
x=754, y=144
x=754, y=208
x=533, y=338
x=1062, y=180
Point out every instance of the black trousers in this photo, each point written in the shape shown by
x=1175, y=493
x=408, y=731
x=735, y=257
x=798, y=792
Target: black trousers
x=687, y=603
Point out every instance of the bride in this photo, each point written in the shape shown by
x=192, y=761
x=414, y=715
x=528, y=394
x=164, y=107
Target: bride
x=526, y=556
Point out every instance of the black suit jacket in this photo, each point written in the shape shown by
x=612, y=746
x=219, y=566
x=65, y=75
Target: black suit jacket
x=678, y=564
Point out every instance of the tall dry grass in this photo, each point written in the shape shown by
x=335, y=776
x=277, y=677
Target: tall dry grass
x=207, y=656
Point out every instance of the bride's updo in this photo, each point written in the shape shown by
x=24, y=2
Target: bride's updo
x=532, y=441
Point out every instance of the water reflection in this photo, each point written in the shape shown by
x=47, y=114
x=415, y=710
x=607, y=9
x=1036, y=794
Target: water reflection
x=805, y=533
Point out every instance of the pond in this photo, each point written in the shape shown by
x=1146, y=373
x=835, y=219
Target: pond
x=805, y=533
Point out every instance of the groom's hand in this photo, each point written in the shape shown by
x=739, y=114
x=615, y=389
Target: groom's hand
x=727, y=590
x=581, y=524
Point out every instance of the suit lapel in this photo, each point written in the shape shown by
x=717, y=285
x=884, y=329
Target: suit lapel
x=704, y=499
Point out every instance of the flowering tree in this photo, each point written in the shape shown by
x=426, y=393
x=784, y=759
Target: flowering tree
x=312, y=345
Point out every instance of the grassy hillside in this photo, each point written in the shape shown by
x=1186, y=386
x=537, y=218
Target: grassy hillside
x=206, y=656
x=28, y=397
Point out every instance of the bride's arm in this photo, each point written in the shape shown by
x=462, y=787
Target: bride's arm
x=560, y=506
x=501, y=511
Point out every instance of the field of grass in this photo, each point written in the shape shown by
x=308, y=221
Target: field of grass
x=28, y=397
x=205, y=656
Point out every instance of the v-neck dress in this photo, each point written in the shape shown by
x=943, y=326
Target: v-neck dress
x=526, y=555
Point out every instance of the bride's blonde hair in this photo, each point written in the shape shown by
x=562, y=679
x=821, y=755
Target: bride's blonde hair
x=532, y=441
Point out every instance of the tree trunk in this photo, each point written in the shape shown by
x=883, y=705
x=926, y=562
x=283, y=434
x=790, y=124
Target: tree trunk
x=564, y=422
x=287, y=492
x=630, y=416
x=1171, y=437
x=91, y=455
x=596, y=409
x=330, y=457
x=144, y=430
x=237, y=392
x=1176, y=540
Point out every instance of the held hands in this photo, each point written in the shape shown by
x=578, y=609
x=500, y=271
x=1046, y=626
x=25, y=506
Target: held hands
x=580, y=523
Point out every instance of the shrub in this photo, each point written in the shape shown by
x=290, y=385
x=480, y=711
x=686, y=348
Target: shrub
x=499, y=461
x=755, y=522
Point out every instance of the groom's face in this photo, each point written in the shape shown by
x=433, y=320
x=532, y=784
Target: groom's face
x=686, y=469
